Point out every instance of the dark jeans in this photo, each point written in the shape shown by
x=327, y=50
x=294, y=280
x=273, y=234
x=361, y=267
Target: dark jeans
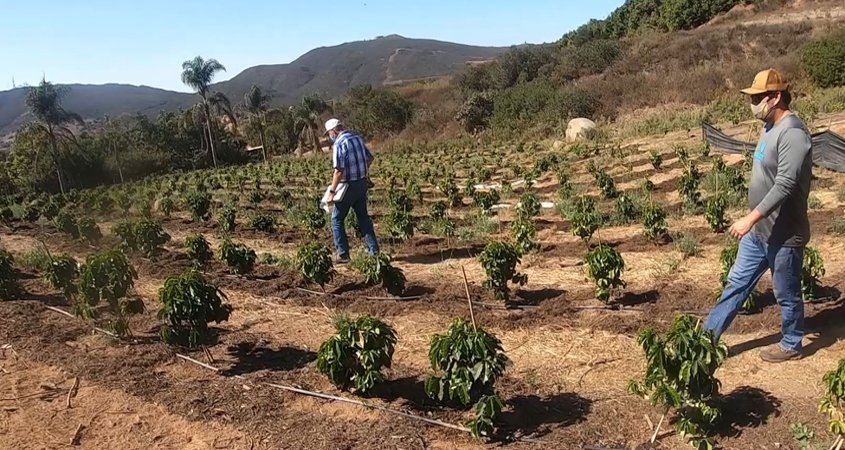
x=355, y=199
x=754, y=258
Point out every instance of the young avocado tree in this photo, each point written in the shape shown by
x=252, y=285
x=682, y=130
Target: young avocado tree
x=605, y=266
x=108, y=277
x=239, y=257
x=188, y=304
x=467, y=361
x=833, y=403
x=499, y=260
x=9, y=285
x=314, y=262
x=812, y=271
x=354, y=357
x=198, y=250
x=585, y=218
x=654, y=222
x=377, y=269
x=714, y=213
x=679, y=376
x=61, y=272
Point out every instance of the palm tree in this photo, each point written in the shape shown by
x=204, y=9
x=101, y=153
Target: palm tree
x=198, y=74
x=223, y=106
x=308, y=118
x=256, y=104
x=45, y=104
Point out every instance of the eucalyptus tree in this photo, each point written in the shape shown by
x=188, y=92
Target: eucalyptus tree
x=44, y=102
x=256, y=104
x=198, y=74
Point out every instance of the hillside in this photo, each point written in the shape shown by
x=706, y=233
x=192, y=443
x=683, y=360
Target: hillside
x=329, y=71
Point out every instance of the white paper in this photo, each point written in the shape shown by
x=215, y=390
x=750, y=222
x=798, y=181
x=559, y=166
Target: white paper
x=338, y=196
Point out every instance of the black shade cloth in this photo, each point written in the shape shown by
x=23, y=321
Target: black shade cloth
x=828, y=147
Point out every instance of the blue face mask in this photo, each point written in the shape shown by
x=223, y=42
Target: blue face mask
x=333, y=138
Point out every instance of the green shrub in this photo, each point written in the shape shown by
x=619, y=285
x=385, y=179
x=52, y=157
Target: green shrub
x=529, y=205
x=188, y=304
x=486, y=200
x=199, y=204
x=263, y=222
x=688, y=185
x=399, y=221
x=150, y=237
x=108, y=277
x=523, y=232
x=474, y=115
x=66, y=223
x=813, y=270
x=7, y=216
x=687, y=245
x=824, y=60
x=376, y=112
x=167, y=206
x=88, y=230
x=226, y=220
x=656, y=159
x=715, y=213
x=585, y=218
x=527, y=104
x=606, y=185
x=61, y=272
x=654, y=222
x=31, y=213
x=377, y=269
x=239, y=258
x=314, y=262
x=814, y=202
x=314, y=220
x=198, y=250
x=9, y=286
x=499, y=262
x=438, y=211
x=356, y=355
x=605, y=266
x=680, y=375
x=626, y=209
x=487, y=411
x=832, y=401
x=125, y=232
x=470, y=360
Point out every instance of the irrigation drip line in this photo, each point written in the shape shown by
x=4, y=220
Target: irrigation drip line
x=308, y=291
x=97, y=329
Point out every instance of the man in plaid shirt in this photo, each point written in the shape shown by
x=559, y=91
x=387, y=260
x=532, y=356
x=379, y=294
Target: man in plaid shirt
x=351, y=159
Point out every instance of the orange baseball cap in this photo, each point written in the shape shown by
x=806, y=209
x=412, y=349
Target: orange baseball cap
x=767, y=81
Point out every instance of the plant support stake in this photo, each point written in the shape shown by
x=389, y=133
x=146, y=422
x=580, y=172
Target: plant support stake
x=469, y=299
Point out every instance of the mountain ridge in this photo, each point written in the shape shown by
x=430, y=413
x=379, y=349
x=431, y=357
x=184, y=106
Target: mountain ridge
x=329, y=71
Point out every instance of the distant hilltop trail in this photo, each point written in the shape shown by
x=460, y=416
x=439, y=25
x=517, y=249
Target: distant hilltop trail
x=329, y=71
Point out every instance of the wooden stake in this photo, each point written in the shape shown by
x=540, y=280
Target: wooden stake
x=469, y=299
x=188, y=358
x=657, y=430
x=72, y=392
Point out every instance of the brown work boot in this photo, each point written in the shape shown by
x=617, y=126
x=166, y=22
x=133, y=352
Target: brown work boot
x=777, y=354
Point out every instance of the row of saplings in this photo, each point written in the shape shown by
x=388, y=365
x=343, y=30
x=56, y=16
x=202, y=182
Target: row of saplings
x=467, y=360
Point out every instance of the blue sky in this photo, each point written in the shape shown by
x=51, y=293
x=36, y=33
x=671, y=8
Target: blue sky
x=145, y=42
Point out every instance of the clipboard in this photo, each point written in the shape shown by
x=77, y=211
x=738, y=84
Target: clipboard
x=339, y=194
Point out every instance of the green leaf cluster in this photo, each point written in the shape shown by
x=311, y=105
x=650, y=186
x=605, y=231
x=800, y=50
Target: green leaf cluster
x=199, y=204
x=688, y=185
x=145, y=235
x=469, y=361
x=226, y=219
x=198, y=250
x=108, y=277
x=377, y=269
x=585, y=218
x=355, y=356
x=487, y=410
x=61, y=272
x=679, y=375
x=714, y=213
x=88, y=230
x=499, y=261
x=834, y=398
x=654, y=221
x=812, y=271
x=263, y=222
x=239, y=257
x=605, y=266
x=188, y=304
x=314, y=262
x=486, y=200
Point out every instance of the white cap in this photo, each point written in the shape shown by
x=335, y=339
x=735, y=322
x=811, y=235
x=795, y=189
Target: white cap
x=331, y=124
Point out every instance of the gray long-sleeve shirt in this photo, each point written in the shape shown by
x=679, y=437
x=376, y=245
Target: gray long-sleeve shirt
x=780, y=183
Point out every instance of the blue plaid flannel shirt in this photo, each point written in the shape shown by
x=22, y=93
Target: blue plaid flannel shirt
x=351, y=155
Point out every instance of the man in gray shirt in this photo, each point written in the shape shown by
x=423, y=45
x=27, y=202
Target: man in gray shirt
x=773, y=235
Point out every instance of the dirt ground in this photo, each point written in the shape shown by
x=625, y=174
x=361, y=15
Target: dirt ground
x=566, y=389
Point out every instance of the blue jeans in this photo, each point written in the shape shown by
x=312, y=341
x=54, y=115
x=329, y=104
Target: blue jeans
x=355, y=199
x=755, y=256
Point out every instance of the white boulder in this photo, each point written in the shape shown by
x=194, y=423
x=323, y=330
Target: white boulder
x=579, y=129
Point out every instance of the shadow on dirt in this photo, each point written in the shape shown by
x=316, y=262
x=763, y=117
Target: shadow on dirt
x=745, y=407
x=250, y=358
x=410, y=389
x=638, y=298
x=437, y=256
x=534, y=416
x=537, y=296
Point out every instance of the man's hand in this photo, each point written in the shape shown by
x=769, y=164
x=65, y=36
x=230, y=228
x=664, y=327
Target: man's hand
x=743, y=226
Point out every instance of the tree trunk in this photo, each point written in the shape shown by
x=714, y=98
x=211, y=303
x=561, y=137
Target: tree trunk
x=263, y=147
x=317, y=147
x=56, y=160
x=210, y=136
x=117, y=161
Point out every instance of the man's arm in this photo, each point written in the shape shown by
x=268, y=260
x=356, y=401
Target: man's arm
x=339, y=157
x=795, y=144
